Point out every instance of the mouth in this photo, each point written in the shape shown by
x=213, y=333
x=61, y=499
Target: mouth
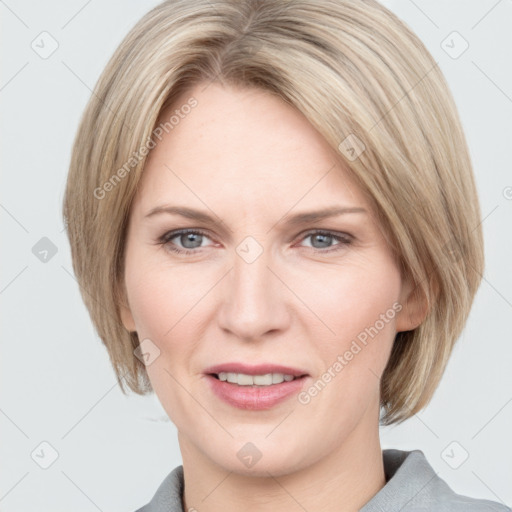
x=265, y=374
x=257, y=387
x=263, y=380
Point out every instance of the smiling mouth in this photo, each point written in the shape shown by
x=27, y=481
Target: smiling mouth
x=255, y=387
x=263, y=380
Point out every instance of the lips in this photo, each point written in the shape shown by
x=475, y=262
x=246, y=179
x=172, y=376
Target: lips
x=259, y=369
x=255, y=397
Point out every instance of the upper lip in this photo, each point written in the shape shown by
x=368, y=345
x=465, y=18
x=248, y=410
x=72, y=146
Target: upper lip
x=258, y=369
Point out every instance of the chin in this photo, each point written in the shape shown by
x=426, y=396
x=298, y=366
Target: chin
x=256, y=456
x=271, y=465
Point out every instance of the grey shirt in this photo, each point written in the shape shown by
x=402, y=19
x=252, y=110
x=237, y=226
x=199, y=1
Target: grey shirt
x=411, y=486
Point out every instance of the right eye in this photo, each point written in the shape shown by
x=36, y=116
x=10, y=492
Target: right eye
x=190, y=237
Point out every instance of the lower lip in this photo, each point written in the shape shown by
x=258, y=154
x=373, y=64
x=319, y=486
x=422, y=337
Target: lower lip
x=255, y=398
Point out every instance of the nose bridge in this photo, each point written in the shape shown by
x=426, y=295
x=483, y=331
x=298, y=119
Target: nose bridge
x=253, y=303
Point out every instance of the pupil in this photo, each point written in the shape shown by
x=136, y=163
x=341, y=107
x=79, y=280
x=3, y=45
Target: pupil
x=189, y=237
x=325, y=237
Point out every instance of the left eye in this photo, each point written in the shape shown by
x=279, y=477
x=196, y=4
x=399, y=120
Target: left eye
x=192, y=239
x=325, y=237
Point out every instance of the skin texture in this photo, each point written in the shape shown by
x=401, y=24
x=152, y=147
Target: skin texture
x=251, y=160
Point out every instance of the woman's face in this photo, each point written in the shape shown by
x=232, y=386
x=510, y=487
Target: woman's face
x=257, y=286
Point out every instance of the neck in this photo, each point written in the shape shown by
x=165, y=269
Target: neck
x=344, y=480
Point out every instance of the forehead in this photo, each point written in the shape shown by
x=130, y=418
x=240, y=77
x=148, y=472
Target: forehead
x=246, y=144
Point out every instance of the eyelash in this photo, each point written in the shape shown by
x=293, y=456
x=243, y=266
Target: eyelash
x=165, y=240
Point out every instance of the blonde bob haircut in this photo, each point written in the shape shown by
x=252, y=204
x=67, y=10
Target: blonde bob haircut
x=364, y=81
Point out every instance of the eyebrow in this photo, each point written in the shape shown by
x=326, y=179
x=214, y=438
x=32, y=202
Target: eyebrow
x=293, y=220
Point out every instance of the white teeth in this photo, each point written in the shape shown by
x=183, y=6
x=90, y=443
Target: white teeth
x=243, y=379
x=277, y=378
x=262, y=380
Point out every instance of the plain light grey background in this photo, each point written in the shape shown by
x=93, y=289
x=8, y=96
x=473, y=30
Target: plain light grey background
x=106, y=451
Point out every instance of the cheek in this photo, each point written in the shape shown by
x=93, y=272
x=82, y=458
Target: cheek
x=162, y=304
x=357, y=307
x=150, y=309
x=351, y=298
x=168, y=307
x=160, y=296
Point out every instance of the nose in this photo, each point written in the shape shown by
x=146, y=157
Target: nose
x=255, y=301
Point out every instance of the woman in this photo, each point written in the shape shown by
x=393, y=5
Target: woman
x=272, y=210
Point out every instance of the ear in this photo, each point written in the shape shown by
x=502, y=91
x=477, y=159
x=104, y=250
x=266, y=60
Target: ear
x=414, y=307
x=127, y=318
x=126, y=313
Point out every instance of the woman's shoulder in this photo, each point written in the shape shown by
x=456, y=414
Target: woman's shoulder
x=167, y=497
x=413, y=485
